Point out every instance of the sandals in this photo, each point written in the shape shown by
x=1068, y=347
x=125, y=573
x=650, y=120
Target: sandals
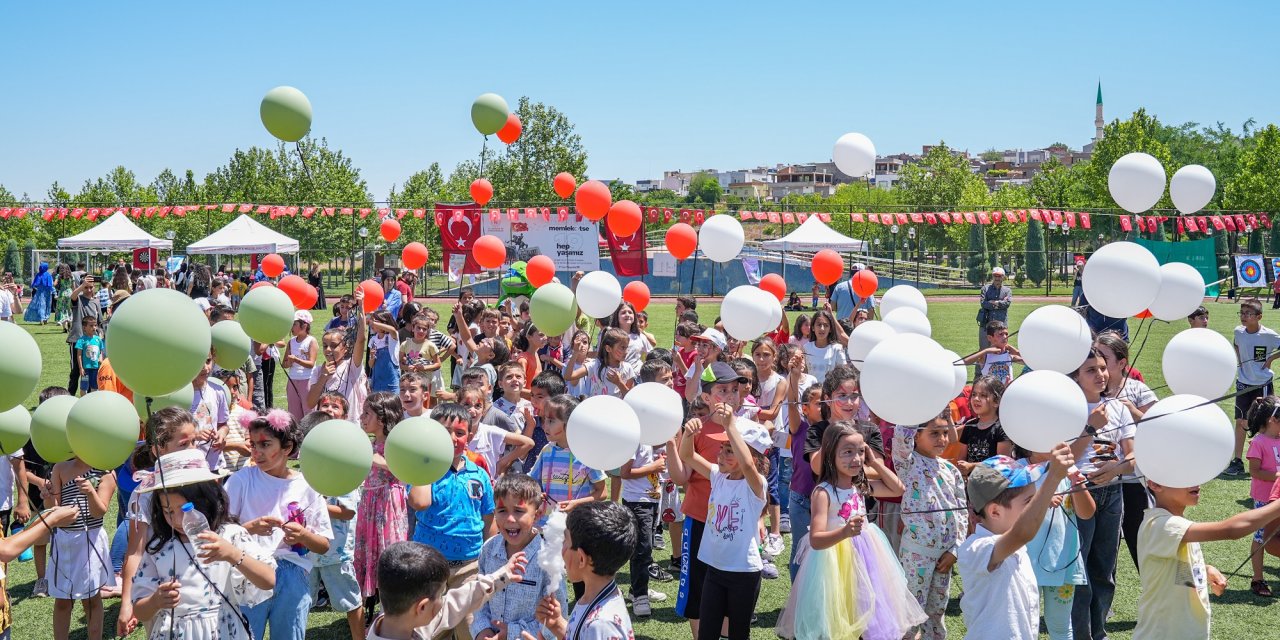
x=1260, y=588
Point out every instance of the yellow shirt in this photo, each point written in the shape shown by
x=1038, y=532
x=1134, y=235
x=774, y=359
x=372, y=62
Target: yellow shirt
x=1175, y=594
x=238, y=288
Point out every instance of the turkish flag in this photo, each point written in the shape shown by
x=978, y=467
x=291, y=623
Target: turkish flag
x=627, y=252
x=855, y=217
x=652, y=214
x=419, y=213
x=1203, y=223
x=790, y=218
x=1266, y=220
x=945, y=217
x=1140, y=223
x=984, y=217
x=917, y=218
x=699, y=216
x=228, y=208
x=1230, y=222
x=459, y=231
x=562, y=214
x=744, y=215
x=666, y=215
x=970, y=218
x=246, y=208
x=307, y=212
x=761, y=215
x=996, y=216
x=1240, y=223
x=902, y=218
x=328, y=211
x=931, y=218
x=1181, y=229
x=1217, y=222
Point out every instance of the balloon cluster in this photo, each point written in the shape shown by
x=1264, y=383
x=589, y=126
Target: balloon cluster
x=1136, y=182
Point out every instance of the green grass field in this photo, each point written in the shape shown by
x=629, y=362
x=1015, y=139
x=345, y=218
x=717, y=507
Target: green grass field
x=1235, y=614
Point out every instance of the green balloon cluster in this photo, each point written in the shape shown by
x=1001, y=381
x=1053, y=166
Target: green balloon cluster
x=286, y=113
x=336, y=457
x=49, y=428
x=181, y=398
x=266, y=314
x=230, y=344
x=419, y=451
x=102, y=429
x=553, y=308
x=19, y=366
x=15, y=429
x=158, y=341
x=489, y=113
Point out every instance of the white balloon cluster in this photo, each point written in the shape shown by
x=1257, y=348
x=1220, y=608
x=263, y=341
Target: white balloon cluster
x=1123, y=279
x=603, y=432
x=749, y=312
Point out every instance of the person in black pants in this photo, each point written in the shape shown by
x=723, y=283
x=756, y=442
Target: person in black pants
x=84, y=304
x=640, y=493
x=268, y=377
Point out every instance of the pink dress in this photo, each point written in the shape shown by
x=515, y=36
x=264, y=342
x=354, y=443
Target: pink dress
x=381, y=520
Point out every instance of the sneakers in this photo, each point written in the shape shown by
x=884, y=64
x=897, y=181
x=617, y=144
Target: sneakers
x=41, y=589
x=659, y=542
x=1260, y=588
x=1236, y=468
x=654, y=596
x=657, y=573
x=322, y=600
x=784, y=523
x=770, y=571
x=773, y=545
x=642, y=608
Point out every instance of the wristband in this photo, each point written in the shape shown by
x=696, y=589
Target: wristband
x=241, y=561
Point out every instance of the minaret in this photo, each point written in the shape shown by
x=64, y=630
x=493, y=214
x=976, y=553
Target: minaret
x=1097, y=119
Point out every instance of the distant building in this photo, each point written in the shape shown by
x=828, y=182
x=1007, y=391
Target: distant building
x=645, y=186
x=887, y=170
x=756, y=190
x=803, y=179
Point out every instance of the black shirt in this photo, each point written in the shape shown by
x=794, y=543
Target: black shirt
x=981, y=442
x=813, y=439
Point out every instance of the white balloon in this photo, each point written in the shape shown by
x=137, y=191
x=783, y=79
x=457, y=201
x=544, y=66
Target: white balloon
x=1121, y=279
x=1191, y=188
x=746, y=312
x=1136, y=182
x=961, y=371
x=1183, y=441
x=603, y=432
x=855, y=155
x=903, y=295
x=1199, y=362
x=721, y=238
x=909, y=320
x=1040, y=409
x=865, y=337
x=1054, y=338
x=1181, y=291
x=599, y=294
x=907, y=379
x=659, y=411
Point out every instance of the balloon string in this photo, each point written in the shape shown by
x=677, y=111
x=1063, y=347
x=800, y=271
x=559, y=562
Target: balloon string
x=303, y=158
x=1261, y=548
x=1076, y=488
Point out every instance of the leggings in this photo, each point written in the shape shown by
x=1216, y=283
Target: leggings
x=73, y=378
x=268, y=381
x=732, y=595
x=1134, y=496
x=296, y=392
x=1056, y=608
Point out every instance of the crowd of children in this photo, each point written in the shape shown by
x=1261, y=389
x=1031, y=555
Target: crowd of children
x=777, y=442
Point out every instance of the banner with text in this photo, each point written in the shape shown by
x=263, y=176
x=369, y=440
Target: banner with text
x=573, y=245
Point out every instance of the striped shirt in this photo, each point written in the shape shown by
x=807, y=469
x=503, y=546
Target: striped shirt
x=70, y=495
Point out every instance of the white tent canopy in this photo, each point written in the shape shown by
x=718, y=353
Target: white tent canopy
x=244, y=235
x=815, y=235
x=116, y=233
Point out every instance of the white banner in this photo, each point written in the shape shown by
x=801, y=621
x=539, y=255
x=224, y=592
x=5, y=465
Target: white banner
x=664, y=264
x=574, y=246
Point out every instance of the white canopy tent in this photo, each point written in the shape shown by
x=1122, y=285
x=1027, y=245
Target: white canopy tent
x=815, y=235
x=244, y=235
x=116, y=233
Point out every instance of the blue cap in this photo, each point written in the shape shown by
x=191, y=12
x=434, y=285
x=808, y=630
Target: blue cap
x=188, y=507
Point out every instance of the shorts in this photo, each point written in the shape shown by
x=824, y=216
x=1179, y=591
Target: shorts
x=614, y=473
x=1260, y=536
x=1245, y=400
x=340, y=581
x=89, y=381
x=693, y=572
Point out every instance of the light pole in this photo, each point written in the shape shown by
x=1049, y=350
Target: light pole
x=911, y=233
x=1048, y=273
x=893, y=261
x=364, y=262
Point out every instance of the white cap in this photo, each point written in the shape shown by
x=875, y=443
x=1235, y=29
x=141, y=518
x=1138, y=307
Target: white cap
x=997, y=272
x=303, y=315
x=858, y=266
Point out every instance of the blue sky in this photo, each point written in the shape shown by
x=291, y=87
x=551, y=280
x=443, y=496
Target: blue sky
x=649, y=85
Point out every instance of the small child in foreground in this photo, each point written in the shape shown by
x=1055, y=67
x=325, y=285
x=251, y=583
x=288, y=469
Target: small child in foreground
x=599, y=538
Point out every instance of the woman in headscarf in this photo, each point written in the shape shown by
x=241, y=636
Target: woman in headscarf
x=41, y=296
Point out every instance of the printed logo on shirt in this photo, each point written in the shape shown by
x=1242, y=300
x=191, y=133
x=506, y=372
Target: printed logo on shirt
x=475, y=489
x=727, y=518
x=1260, y=353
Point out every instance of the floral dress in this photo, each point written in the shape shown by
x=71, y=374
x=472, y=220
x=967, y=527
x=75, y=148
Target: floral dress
x=202, y=614
x=382, y=519
x=63, y=302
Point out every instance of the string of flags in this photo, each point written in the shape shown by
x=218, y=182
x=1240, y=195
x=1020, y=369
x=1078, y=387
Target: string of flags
x=1207, y=224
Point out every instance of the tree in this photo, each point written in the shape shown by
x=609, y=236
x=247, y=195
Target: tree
x=991, y=155
x=977, y=262
x=1141, y=132
x=704, y=188
x=1035, y=252
x=941, y=180
x=521, y=172
x=1255, y=187
x=421, y=191
x=12, y=263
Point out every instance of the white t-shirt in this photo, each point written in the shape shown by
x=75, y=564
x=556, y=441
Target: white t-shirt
x=609, y=621
x=637, y=347
x=1254, y=349
x=730, y=541
x=490, y=444
x=1137, y=392
x=222, y=299
x=1119, y=427
x=204, y=304
x=1003, y=604
x=6, y=479
x=253, y=494
x=641, y=489
x=209, y=407
x=597, y=381
x=6, y=304
x=301, y=350
x=824, y=359
x=352, y=387
x=782, y=426
x=999, y=365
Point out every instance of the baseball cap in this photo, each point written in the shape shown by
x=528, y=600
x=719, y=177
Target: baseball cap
x=714, y=337
x=998, y=271
x=996, y=474
x=752, y=433
x=302, y=315
x=721, y=372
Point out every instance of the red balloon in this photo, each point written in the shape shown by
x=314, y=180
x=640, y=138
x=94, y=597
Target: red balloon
x=308, y=298
x=682, y=240
x=564, y=184
x=272, y=265
x=261, y=283
x=489, y=252
x=481, y=191
x=373, y=295
x=540, y=270
x=593, y=200
x=624, y=218
x=637, y=293
x=1146, y=313
x=510, y=132
x=296, y=288
x=827, y=266
x=390, y=229
x=414, y=256
x=865, y=283
x=773, y=283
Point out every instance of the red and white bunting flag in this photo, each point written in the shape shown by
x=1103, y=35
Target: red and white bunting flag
x=686, y=216
x=997, y=216
x=329, y=211
x=228, y=208
x=1229, y=222
x=854, y=217
x=307, y=212
x=790, y=218
x=1181, y=229
x=494, y=214
x=652, y=214
x=1253, y=220
x=166, y=209
x=666, y=215
x=825, y=217
x=210, y=207
x=263, y=209
x=1240, y=222
x=1035, y=214
x=419, y=213
x=931, y=218
x=48, y=214
x=801, y=216
x=699, y=216
x=744, y=215
x=439, y=216
x=774, y=217
x=4, y=212
x=944, y=217
x=970, y=217
x=983, y=217
x=1139, y=222
x=901, y=218
x=77, y=212
x=1125, y=224
x=917, y=218
x=513, y=215
x=546, y=214
x=1085, y=221
x=401, y=213
x=1217, y=223
x=1203, y=223
x=562, y=214
x=364, y=212
x=245, y=208
x=1266, y=220
x=529, y=212
x=760, y=215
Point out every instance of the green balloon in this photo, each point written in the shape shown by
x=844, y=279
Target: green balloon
x=102, y=429
x=181, y=398
x=266, y=314
x=49, y=428
x=19, y=366
x=286, y=113
x=230, y=344
x=553, y=308
x=419, y=451
x=489, y=113
x=336, y=457
x=158, y=341
x=15, y=429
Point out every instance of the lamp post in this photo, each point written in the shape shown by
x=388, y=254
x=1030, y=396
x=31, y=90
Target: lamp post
x=893, y=261
x=1066, y=249
x=911, y=233
x=364, y=263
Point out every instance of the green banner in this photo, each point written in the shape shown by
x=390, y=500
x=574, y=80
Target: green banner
x=1197, y=253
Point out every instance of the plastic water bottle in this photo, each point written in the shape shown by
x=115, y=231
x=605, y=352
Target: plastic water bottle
x=193, y=523
x=26, y=555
